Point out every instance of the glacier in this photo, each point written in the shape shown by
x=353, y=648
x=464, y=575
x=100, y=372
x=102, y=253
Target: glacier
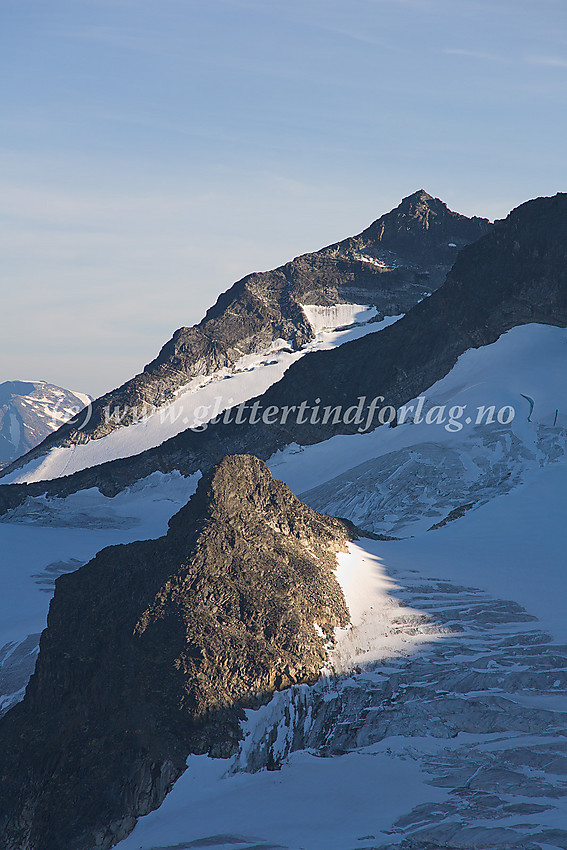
x=441, y=721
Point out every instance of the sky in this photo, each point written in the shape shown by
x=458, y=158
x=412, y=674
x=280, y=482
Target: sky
x=154, y=151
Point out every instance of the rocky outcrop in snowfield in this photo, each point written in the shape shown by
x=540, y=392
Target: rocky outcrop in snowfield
x=474, y=707
x=153, y=650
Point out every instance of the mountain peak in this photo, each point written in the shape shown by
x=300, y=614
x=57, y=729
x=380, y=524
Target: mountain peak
x=424, y=228
x=30, y=411
x=240, y=491
x=420, y=195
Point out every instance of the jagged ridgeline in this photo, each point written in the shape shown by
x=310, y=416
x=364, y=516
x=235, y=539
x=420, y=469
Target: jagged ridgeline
x=390, y=265
x=514, y=275
x=153, y=650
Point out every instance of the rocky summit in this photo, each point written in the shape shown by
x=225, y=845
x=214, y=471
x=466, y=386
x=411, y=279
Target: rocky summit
x=153, y=650
x=392, y=264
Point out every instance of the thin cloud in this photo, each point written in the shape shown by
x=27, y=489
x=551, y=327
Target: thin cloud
x=548, y=61
x=155, y=43
x=474, y=54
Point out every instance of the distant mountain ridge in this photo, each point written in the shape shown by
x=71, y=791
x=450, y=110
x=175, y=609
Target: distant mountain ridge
x=402, y=256
x=515, y=275
x=30, y=411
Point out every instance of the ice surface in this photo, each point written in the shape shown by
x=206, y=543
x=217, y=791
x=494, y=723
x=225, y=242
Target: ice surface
x=453, y=733
x=403, y=480
x=337, y=316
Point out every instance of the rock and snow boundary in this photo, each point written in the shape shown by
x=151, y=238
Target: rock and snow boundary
x=453, y=738
x=457, y=742
x=380, y=627
x=204, y=398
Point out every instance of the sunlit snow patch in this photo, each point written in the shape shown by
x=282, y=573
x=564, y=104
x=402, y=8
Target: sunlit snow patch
x=337, y=315
x=381, y=626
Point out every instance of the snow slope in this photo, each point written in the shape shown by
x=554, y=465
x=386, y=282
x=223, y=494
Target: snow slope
x=203, y=398
x=337, y=316
x=315, y=803
x=403, y=480
x=380, y=627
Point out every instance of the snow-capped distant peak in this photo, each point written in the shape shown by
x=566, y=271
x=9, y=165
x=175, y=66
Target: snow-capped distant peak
x=31, y=410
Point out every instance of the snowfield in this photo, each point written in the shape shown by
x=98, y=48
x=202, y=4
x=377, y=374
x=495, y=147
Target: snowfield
x=403, y=480
x=204, y=398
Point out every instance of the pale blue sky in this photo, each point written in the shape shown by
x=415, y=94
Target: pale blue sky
x=153, y=151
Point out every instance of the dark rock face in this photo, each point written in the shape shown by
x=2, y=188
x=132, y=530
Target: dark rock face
x=514, y=275
x=423, y=230
x=391, y=265
x=29, y=412
x=153, y=649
